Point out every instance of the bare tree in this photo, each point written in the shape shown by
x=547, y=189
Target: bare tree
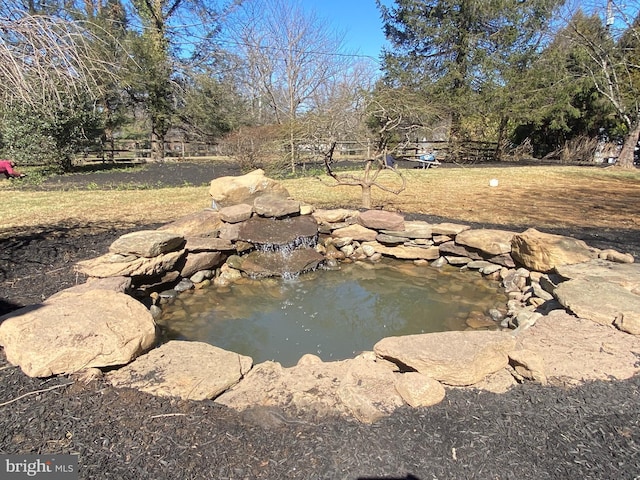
x=289, y=55
x=611, y=59
x=44, y=60
x=368, y=178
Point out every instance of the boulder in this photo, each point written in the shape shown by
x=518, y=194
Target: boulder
x=227, y=191
x=489, y=241
x=367, y=389
x=195, y=262
x=99, y=328
x=381, y=220
x=545, y=251
x=187, y=370
x=419, y=390
x=200, y=224
x=107, y=266
x=452, y=358
x=147, y=243
x=406, y=253
x=615, y=256
x=356, y=232
x=236, y=213
x=275, y=206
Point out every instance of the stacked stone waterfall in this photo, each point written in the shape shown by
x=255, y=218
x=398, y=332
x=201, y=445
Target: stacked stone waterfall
x=251, y=223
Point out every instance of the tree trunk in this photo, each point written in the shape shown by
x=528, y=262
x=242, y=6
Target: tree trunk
x=366, y=196
x=625, y=159
x=157, y=146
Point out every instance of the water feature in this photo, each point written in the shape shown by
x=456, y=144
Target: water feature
x=333, y=314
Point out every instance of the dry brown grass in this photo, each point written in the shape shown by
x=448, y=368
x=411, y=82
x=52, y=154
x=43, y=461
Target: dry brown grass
x=541, y=196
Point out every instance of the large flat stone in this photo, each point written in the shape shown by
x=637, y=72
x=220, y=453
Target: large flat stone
x=362, y=387
x=188, y=370
x=105, y=266
x=99, y=328
x=575, y=350
x=147, y=243
x=453, y=358
x=601, y=301
x=405, y=253
x=203, y=223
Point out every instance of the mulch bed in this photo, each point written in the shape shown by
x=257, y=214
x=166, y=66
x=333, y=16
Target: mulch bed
x=533, y=432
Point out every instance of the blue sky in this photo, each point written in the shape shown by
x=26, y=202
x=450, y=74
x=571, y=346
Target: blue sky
x=359, y=20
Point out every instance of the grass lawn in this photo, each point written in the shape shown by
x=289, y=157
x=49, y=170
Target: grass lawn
x=540, y=196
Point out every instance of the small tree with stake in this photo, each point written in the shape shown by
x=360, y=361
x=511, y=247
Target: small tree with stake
x=393, y=116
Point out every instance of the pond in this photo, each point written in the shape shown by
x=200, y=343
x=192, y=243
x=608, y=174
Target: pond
x=334, y=314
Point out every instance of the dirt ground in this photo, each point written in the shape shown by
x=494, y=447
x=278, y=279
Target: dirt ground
x=531, y=432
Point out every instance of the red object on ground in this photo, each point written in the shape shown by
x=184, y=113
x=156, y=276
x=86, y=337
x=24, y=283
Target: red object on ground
x=6, y=167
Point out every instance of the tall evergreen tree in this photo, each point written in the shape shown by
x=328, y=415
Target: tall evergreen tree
x=456, y=51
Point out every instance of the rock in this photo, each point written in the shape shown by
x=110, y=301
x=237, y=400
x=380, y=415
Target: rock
x=183, y=285
x=333, y=216
x=99, y=328
x=236, y=213
x=230, y=232
x=381, y=220
x=625, y=275
x=391, y=239
x=104, y=267
x=356, y=232
x=576, y=350
x=367, y=389
x=199, y=224
x=195, y=262
x=147, y=243
x=406, y=253
x=489, y=241
x=361, y=387
x=478, y=320
x=544, y=251
x=446, y=228
x=284, y=232
x=188, y=370
x=451, y=248
x=615, y=256
x=602, y=301
x=116, y=284
x=275, y=206
x=226, y=191
x=529, y=365
x=453, y=358
x=208, y=244
x=268, y=264
x=419, y=390
x=412, y=229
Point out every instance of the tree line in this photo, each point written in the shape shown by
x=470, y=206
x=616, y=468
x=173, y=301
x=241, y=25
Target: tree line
x=267, y=78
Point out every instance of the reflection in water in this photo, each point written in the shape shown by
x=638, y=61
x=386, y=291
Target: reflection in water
x=333, y=314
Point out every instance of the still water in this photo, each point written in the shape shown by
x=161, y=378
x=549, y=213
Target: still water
x=332, y=314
